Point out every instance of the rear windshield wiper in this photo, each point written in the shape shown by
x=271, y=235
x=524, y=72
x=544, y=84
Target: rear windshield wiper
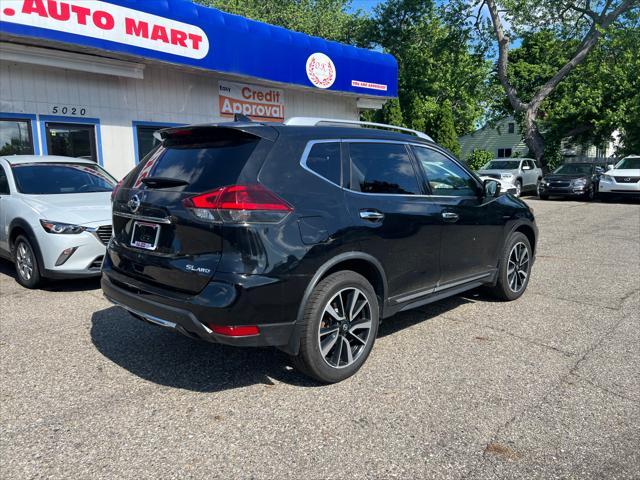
x=163, y=182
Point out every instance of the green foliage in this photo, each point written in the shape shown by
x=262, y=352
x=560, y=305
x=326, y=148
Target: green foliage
x=328, y=19
x=443, y=130
x=391, y=113
x=438, y=59
x=598, y=97
x=479, y=158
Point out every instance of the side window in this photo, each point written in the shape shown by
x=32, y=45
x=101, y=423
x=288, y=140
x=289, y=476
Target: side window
x=382, y=168
x=4, y=183
x=324, y=159
x=445, y=177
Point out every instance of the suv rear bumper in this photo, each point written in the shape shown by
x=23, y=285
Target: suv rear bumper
x=186, y=317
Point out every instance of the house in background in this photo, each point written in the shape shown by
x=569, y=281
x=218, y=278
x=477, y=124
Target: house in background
x=504, y=140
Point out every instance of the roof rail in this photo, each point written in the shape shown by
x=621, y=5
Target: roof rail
x=313, y=121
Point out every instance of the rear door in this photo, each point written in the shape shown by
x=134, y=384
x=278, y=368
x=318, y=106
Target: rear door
x=396, y=223
x=156, y=237
x=471, y=226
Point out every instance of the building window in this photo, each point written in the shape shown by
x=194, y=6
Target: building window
x=512, y=128
x=16, y=137
x=71, y=140
x=504, y=152
x=146, y=140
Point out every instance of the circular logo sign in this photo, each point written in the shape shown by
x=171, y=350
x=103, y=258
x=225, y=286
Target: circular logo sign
x=321, y=70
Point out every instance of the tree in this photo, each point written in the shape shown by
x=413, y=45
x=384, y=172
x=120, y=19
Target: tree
x=596, y=99
x=443, y=130
x=438, y=60
x=479, y=158
x=330, y=19
x=585, y=21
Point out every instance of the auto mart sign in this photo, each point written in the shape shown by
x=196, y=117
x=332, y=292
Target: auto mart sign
x=111, y=22
x=185, y=33
x=258, y=103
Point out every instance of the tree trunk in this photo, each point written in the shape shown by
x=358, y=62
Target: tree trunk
x=533, y=138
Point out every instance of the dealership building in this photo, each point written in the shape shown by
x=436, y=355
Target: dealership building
x=95, y=79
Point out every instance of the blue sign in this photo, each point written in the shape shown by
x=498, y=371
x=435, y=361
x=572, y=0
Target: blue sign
x=181, y=32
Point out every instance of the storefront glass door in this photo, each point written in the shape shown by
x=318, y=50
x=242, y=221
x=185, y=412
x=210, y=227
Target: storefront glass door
x=71, y=140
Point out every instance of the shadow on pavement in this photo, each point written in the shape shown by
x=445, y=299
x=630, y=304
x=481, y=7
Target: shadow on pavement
x=167, y=358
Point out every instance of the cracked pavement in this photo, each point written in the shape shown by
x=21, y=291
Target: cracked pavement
x=544, y=387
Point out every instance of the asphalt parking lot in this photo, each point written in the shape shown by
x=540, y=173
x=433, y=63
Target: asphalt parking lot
x=545, y=387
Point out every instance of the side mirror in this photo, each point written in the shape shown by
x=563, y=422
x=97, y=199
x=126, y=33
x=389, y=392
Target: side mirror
x=491, y=188
x=609, y=167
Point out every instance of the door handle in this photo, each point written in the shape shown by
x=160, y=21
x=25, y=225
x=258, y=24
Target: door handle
x=450, y=216
x=371, y=215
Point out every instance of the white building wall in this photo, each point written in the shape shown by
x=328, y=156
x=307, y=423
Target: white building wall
x=165, y=95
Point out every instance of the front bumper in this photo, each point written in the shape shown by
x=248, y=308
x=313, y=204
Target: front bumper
x=85, y=261
x=619, y=188
x=193, y=315
x=569, y=191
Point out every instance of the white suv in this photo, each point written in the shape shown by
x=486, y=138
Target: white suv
x=55, y=216
x=622, y=180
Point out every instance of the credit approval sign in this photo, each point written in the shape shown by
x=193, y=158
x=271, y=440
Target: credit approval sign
x=106, y=21
x=258, y=103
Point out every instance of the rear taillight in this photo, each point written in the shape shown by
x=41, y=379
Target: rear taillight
x=115, y=189
x=239, y=204
x=232, y=331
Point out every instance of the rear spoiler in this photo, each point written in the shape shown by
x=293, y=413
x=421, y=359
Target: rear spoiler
x=218, y=131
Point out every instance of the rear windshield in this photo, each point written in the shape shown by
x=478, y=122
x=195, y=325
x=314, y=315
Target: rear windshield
x=61, y=178
x=204, y=165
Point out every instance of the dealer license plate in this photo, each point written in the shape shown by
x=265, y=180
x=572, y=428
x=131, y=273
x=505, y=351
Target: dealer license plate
x=145, y=235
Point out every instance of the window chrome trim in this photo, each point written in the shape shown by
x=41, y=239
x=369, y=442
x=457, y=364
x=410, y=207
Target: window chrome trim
x=142, y=218
x=311, y=143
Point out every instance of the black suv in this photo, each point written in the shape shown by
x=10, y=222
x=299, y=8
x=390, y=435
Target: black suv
x=305, y=237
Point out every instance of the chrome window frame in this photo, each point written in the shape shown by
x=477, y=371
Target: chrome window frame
x=311, y=143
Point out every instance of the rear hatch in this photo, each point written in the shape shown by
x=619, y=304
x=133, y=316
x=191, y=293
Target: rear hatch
x=157, y=239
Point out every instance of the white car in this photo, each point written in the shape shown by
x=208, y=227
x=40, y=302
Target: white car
x=622, y=180
x=505, y=186
x=523, y=173
x=55, y=216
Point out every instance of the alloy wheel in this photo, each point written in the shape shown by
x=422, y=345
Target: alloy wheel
x=518, y=189
x=24, y=260
x=518, y=267
x=345, y=328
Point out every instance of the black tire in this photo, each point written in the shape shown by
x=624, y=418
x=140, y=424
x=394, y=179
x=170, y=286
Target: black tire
x=518, y=186
x=26, y=263
x=544, y=196
x=502, y=290
x=589, y=194
x=310, y=359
